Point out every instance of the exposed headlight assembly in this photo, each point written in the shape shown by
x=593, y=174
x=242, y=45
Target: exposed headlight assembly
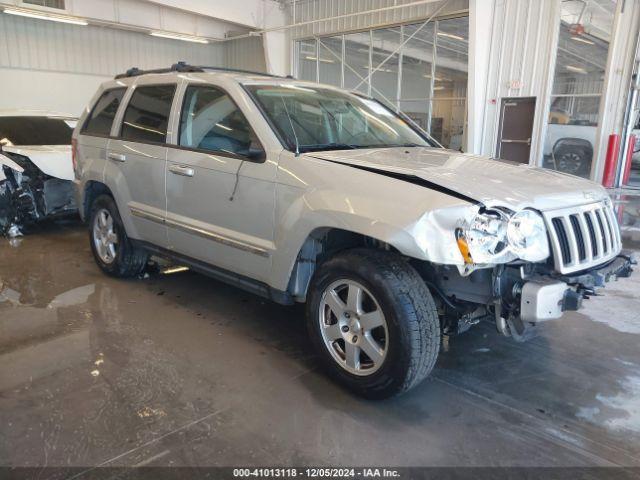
x=499, y=236
x=527, y=236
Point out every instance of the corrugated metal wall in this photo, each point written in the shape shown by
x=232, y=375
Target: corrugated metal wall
x=38, y=45
x=245, y=54
x=523, y=49
x=55, y=66
x=306, y=10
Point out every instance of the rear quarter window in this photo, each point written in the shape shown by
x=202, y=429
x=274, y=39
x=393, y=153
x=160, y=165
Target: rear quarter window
x=101, y=117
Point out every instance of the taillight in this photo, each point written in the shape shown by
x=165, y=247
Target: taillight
x=74, y=147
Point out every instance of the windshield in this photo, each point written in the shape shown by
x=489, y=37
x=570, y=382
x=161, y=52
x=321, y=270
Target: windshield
x=313, y=119
x=35, y=131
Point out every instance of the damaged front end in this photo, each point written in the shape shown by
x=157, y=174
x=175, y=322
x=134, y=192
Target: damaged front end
x=28, y=195
x=517, y=296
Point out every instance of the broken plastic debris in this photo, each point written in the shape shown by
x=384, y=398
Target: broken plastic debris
x=15, y=242
x=14, y=231
x=146, y=412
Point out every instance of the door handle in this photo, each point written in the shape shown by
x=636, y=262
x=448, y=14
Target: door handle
x=182, y=170
x=118, y=157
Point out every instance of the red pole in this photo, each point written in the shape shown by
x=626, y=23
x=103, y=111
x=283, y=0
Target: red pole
x=611, y=160
x=627, y=167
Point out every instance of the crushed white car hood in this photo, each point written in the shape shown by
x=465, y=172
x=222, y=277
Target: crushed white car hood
x=54, y=160
x=492, y=182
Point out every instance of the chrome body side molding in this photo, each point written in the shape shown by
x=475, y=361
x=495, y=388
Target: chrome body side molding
x=201, y=232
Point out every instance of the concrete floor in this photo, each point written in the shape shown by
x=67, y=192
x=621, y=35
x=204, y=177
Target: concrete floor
x=182, y=370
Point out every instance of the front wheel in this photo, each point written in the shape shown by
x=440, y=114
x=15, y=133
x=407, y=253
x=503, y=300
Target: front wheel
x=373, y=322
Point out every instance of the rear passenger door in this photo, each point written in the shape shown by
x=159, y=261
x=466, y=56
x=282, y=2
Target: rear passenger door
x=220, y=186
x=136, y=161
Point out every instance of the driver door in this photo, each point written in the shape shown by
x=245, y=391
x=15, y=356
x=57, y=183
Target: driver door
x=220, y=188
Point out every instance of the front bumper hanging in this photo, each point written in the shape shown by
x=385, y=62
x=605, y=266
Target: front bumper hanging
x=547, y=298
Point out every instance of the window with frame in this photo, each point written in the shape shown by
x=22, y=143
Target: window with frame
x=58, y=4
x=211, y=121
x=147, y=115
x=101, y=117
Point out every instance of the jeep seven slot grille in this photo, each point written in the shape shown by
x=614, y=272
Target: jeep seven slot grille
x=583, y=237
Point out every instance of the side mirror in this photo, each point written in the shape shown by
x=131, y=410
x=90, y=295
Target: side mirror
x=257, y=155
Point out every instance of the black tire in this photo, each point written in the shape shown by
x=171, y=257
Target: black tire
x=129, y=261
x=412, y=320
x=574, y=160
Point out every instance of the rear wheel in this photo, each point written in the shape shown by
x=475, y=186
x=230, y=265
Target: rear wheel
x=373, y=322
x=112, y=250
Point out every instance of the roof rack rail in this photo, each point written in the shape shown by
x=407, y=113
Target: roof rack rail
x=185, y=67
x=239, y=70
x=176, y=67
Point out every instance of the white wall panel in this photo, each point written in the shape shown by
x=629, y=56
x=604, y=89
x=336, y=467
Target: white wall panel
x=523, y=36
x=39, y=45
x=245, y=53
x=54, y=91
x=47, y=65
x=138, y=14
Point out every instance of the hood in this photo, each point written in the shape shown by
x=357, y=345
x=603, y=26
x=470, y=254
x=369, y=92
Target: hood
x=491, y=182
x=54, y=160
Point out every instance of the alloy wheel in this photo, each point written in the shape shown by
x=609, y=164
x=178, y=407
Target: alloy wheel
x=353, y=327
x=105, y=239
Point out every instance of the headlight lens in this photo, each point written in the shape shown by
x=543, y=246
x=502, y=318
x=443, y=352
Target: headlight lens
x=498, y=236
x=527, y=236
x=486, y=237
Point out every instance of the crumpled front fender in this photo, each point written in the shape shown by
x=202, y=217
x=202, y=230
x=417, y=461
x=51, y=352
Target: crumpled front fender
x=426, y=236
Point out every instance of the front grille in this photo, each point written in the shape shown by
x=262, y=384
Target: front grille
x=583, y=237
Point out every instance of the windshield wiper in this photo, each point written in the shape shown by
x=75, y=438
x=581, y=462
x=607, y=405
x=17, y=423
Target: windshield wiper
x=347, y=146
x=327, y=146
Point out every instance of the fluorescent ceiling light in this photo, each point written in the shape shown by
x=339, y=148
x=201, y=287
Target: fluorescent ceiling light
x=438, y=88
x=451, y=35
x=437, y=79
x=45, y=16
x=383, y=70
x=583, y=40
x=177, y=36
x=576, y=69
x=325, y=60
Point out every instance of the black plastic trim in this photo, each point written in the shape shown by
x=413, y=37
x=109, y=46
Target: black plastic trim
x=183, y=67
x=240, y=281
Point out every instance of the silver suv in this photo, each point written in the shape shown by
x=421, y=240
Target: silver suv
x=302, y=192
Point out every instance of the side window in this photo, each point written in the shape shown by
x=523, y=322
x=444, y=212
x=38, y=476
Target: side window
x=104, y=111
x=210, y=120
x=147, y=114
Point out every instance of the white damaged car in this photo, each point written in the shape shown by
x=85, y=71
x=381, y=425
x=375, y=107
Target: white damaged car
x=36, y=170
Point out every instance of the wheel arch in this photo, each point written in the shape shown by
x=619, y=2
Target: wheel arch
x=574, y=142
x=320, y=244
x=92, y=190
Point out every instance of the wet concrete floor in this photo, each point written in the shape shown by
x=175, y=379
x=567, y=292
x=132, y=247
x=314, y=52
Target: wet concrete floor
x=183, y=370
